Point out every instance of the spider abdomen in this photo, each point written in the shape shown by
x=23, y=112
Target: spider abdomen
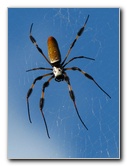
x=53, y=51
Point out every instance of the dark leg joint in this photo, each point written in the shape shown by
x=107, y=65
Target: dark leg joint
x=72, y=95
x=46, y=84
x=73, y=44
x=66, y=79
x=88, y=76
x=38, y=78
x=74, y=68
x=39, y=50
x=29, y=93
x=80, y=31
x=32, y=39
x=41, y=103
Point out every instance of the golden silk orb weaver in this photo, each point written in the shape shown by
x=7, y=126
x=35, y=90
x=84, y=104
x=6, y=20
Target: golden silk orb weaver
x=58, y=71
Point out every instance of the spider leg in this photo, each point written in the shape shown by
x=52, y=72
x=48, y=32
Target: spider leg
x=46, y=84
x=72, y=96
x=39, y=68
x=30, y=91
x=35, y=43
x=88, y=76
x=77, y=57
x=77, y=36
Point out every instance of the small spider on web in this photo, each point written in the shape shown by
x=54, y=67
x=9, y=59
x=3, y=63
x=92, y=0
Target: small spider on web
x=58, y=71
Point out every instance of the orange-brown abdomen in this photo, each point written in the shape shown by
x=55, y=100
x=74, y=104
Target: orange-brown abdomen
x=53, y=50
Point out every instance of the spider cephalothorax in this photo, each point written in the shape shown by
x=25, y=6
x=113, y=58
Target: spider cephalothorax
x=58, y=71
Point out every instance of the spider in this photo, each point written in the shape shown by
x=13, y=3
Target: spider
x=58, y=71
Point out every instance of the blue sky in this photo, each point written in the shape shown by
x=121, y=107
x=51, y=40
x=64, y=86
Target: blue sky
x=69, y=139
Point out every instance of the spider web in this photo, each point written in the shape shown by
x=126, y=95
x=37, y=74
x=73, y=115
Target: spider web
x=69, y=139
